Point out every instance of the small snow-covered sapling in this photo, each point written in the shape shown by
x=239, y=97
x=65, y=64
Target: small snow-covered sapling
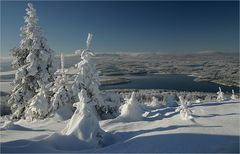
x=233, y=97
x=185, y=112
x=220, y=96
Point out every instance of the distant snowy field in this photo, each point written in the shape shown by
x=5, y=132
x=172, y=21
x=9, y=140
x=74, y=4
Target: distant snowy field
x=215, y=128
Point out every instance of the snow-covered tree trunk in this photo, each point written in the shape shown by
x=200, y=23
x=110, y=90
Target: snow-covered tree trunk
x=35, y=62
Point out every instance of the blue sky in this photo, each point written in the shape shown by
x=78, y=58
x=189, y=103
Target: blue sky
x=157, y=26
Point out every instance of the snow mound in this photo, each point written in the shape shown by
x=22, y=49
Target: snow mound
x=131, y=111
x=9, y=125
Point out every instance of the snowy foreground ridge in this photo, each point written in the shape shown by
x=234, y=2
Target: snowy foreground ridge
x=215, y=128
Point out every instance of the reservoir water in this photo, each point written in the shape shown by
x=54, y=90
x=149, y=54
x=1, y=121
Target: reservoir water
x=177, y=82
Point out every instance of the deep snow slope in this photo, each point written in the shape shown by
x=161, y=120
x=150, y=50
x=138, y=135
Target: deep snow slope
x=215, y=128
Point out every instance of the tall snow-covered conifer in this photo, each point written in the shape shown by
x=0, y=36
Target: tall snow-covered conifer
x=87, y=77
x=35, y=64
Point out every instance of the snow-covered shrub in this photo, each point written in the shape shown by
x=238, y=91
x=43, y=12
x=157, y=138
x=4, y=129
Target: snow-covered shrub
x=185, y=112
x=38, y=106
x=87, y=78
x=84, y=124
x=220, y=95
x=131, y=110
x=35, y=62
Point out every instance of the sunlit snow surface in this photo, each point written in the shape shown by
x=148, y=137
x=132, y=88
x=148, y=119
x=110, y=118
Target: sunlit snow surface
x=215, y=128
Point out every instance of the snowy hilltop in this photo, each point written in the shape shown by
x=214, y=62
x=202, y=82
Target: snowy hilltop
x=54, y=111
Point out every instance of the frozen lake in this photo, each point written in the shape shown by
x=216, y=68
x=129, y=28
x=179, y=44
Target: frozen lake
x=177, y=82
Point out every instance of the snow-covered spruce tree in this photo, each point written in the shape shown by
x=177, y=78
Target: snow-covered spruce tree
x=84, y=124
x=35, y=64
x=131, y=110
x=61, y=94
x=220, y=96
x=185, y=112
x=87, y=78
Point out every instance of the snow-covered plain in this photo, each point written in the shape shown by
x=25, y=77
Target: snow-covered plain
x=215, y=128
